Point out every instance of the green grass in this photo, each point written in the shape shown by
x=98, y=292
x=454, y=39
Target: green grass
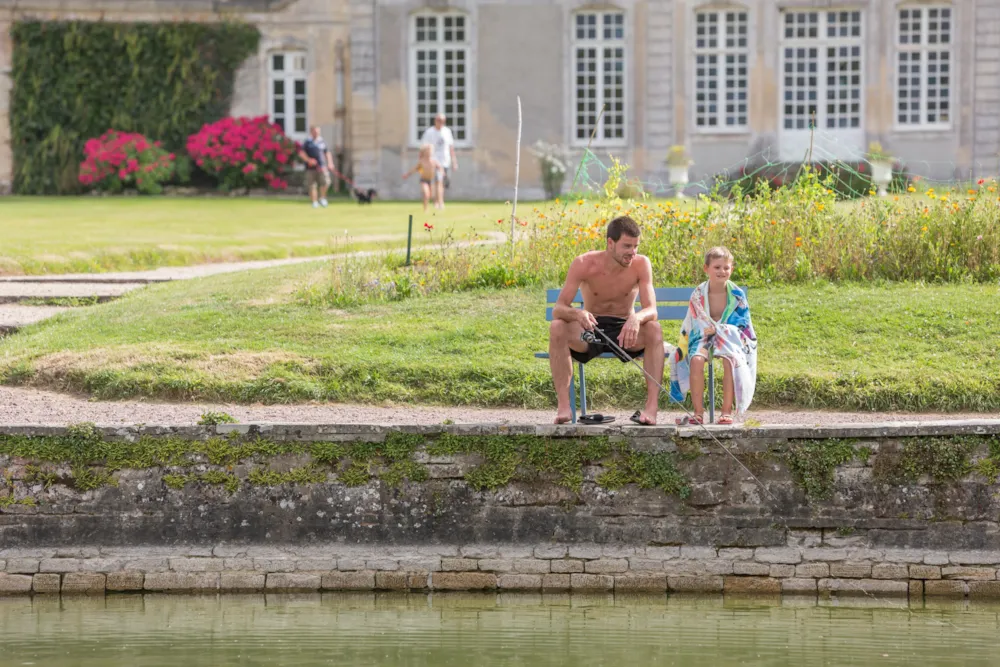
x=97, y=234
x=245, y=338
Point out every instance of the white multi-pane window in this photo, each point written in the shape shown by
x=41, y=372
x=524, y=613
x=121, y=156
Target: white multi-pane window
x=599, y=61
x=287, y=93
x=439, y=73
x=924, y=66
x=720, y=70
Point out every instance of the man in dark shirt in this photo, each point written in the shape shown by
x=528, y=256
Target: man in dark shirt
x=319, y=164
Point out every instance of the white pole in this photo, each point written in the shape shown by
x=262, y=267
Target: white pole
x=517, y=174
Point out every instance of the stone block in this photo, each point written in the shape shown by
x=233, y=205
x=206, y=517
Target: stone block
x=699, y=553
x=713, y=566
x=851, y=570
x=274, y=564
x=904, y=555
x=555, y=582
x=551, y=551
x=196, y=564
x=757, y=585
x=293, y=581
x=890, y=571
x=566, y=566
x=974, y=557
x=823, y=554
x=419, y=582
x=531, y=566
x=60, y=565
x=645, y=565
x=592, y=582
x=882, y=587
x=925, y=572
x=496, y=565
x=916, y=590
x=458, y=565
x=83, y=583
x=350, y=564
x=104, y=565
x=752, y=569
x=606, y=566
x=316, y=565
x=392, y=581
x=782, y=555
x=709, y=584
x=389, y=564
x=736, y=554
x=242, y=580
x=936, y=558
x=516, y=551
x=46, y=583
x=428, y=564
x=781, y=571
x=663, y=553
x=361, y=580
x=795, y=586
x=814, y=570
x=462, y=581
x=805, y=538
x=147, y=565
x=982, y=589
x=618, y=551
x=237, y=564
x=11, y=584
x=480, y=551
x=127, y=581
x=655, y=583
x=520, y=582
x=942, y=588
x=181, y=581
x=978, y=573
x=587, y=551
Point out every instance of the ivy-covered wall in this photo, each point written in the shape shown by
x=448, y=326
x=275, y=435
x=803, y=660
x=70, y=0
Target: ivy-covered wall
x=75, y=80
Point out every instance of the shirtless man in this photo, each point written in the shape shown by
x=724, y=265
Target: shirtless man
x=610, y=279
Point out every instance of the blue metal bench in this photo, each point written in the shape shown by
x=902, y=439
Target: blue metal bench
x=680, y=296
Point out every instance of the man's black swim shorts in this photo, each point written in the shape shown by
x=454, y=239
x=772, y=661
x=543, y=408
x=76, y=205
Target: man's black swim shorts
x=612, y=326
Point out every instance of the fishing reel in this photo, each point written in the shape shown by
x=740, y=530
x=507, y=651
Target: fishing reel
x=590, y=338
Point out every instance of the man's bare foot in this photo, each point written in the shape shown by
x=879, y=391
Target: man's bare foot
x=563, y=418
x=643, y=419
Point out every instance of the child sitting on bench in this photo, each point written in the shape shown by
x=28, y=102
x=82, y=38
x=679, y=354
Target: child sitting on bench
x=718, y=319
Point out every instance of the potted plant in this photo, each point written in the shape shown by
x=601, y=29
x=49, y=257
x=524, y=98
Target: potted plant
x=881, y=167
x=678, y=163
x=552, y=161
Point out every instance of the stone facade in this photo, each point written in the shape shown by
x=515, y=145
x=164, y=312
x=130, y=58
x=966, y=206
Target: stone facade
x=318, y=29
x=933, y=531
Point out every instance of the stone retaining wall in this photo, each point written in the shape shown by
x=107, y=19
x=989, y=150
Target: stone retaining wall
x=880, y=510
x=805, y=569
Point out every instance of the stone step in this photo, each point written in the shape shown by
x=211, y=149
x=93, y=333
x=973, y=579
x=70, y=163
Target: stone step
x=13, y=317
x=19, y=292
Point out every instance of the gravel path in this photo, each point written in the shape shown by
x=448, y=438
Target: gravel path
x=11, y=292
x=29, y=406
x=13, y=316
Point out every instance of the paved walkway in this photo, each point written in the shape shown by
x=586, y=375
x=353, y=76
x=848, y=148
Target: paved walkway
x=20, y=405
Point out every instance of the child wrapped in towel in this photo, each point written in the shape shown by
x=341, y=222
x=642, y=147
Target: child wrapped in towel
x=718, y=318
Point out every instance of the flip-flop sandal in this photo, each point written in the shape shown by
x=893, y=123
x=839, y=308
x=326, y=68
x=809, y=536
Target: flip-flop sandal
x=690, y=421
x=725, y=420
x=637, y=418
x=595, y=418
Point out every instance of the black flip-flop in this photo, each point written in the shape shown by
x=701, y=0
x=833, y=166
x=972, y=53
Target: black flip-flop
x=596, y=418
x=637, y=418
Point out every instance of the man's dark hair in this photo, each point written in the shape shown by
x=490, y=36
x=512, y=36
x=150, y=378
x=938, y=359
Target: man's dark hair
x=622, y=225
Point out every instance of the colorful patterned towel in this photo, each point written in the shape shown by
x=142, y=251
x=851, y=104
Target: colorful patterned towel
x=734, y=339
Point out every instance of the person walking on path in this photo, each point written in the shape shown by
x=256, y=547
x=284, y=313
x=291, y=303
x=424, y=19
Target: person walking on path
x=319, y=165
x=440, y=137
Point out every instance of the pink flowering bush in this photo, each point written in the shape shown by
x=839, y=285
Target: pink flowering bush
x=117, y=160
x=243, y=152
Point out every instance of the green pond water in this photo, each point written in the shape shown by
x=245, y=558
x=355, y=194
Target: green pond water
x=487, y=630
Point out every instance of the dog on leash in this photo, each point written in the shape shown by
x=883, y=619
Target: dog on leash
x=365, y=197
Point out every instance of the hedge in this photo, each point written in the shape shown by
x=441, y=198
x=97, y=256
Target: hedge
x=72, y=81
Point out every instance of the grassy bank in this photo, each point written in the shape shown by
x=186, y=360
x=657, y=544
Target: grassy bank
x=96, y=234
x=256, y=337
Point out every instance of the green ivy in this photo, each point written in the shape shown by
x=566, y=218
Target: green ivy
x=74, y=80
x=812, y=463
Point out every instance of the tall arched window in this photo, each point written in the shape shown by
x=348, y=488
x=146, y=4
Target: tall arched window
x=287, y=95
x=599, y=67
x=924, y=66
x=439, y=73
x=721, y=76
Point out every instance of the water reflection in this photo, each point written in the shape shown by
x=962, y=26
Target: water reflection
x=490, y=630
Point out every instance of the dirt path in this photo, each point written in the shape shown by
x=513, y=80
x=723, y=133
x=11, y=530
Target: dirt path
x=31, y=406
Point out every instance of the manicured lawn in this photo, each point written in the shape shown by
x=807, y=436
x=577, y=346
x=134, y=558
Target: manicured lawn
x=94, y=234
x=246, y=337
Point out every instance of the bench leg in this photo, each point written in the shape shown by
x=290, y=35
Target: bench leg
x=572, y=396
x=711, y=389
x=583, y=391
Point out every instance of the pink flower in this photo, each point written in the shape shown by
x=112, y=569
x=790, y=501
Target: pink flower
x=122, y=174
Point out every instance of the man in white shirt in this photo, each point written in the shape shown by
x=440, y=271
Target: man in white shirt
x=440, y=137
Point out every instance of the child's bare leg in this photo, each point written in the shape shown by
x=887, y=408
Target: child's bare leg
x=698, y=385
x=426, y=189
x=728, y=388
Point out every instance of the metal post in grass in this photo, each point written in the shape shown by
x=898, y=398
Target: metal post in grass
x=409, y=240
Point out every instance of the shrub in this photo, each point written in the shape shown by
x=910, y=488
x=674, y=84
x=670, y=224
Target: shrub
x=848, y=180
x=553, y=161
x=243, y=152
x=118, y=160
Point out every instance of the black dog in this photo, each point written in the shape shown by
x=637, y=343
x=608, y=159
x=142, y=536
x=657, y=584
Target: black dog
x=365, y=197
